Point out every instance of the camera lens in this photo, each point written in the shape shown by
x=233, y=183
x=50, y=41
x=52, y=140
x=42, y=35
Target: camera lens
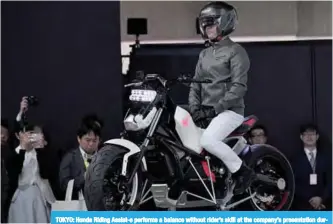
x=32, y=101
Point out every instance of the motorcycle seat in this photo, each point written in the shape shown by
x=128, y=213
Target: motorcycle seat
x=247, y=124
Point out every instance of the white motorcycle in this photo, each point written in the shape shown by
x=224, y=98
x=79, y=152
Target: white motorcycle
x=159, y=158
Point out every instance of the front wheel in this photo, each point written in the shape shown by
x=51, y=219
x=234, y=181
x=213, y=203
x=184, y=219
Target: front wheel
x=269, y=161
x=103, y=190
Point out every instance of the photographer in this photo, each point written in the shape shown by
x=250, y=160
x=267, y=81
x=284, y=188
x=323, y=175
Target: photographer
x=29, y=171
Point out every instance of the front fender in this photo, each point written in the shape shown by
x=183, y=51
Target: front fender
x=133, y=149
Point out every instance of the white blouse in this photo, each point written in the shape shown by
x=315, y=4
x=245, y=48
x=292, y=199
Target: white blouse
x=30, y=176
x=30, y=169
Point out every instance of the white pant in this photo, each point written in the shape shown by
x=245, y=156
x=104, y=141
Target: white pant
x=219, y=128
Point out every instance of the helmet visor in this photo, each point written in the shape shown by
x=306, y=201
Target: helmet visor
x=207, y=21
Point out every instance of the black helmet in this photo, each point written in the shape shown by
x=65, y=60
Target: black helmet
x=218, y=13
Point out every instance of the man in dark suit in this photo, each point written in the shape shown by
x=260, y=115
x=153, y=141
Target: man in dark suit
x=312, y=169
x=75, y=162
x=257, y=135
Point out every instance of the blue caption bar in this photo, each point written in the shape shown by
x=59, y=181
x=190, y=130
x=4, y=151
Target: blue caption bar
x=191, y=217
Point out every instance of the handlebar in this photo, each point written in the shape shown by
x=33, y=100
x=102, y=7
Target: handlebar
x=133, y=84
x=164, y=82
x=190, y=80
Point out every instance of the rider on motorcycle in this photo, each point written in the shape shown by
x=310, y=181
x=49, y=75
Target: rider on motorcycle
x=220, y=104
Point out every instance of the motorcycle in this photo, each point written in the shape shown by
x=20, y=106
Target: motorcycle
x=158, y=157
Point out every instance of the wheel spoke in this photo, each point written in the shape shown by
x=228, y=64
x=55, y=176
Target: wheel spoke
x=268, y=197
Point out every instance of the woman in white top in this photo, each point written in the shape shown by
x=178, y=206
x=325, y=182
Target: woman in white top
x=31, y=167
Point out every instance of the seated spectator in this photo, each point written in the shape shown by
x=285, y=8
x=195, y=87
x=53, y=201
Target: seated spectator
x=258, y=135
x=29, y=171
x=76, y=161
x=312, y=167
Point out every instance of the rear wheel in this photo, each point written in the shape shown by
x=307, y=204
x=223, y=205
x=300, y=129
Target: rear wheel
x=104, y=190
x=268, y=161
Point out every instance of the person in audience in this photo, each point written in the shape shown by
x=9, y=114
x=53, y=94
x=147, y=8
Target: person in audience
x=312, y=168
x=5, y=140
x=4, y=191
x=93, y=118
x=4, y=132
x=75, y=162
x=29, y=172
x=258, y=135
x=53, y=172
x=4, y=175
x=5, y=146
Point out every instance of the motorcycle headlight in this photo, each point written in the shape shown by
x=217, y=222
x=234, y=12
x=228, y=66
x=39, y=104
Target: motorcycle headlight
x=142, y=95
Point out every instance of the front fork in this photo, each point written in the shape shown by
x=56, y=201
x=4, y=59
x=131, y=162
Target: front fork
x=144, y=146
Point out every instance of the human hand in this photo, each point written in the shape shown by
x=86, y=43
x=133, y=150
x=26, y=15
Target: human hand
x=316, y=202
x=209, y=111
x=198, y=115
x=38, y=141
x=24, y=105
x=202, y=123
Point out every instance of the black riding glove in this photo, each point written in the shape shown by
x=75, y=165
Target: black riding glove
x=200, y=119
x=208, y=111
x=202, y=123
x=198, y=115
x=202, y=116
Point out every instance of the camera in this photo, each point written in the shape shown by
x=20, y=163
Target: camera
x=32, y=101
x=35, y=137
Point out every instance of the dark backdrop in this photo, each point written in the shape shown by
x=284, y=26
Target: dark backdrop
x=290, y=83
x=68, y=55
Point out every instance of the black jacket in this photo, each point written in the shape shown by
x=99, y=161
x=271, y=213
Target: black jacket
x=72, y=167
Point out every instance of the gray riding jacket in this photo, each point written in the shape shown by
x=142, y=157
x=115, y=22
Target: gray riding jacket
x=226, y=64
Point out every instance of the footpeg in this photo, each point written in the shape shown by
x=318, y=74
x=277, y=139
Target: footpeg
x=160, y=194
